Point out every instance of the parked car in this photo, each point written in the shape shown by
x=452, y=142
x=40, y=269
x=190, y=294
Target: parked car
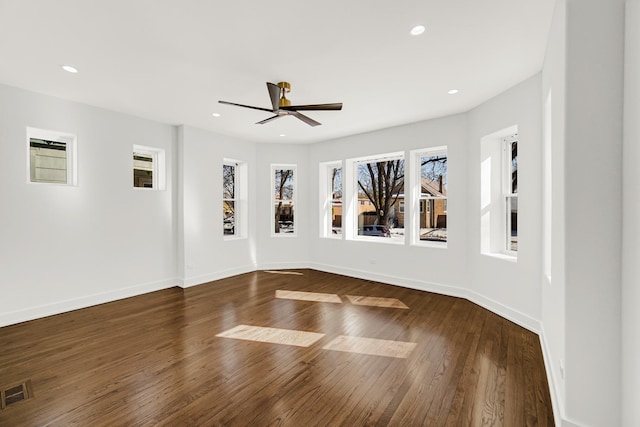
x=375, y=230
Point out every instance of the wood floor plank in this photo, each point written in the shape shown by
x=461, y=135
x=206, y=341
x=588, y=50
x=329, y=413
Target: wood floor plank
x=156, y=360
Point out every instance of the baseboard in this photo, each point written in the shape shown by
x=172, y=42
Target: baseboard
x=59, y=307
x=216, y=275
x=507, y=312
x=282, y=265
x=392, y=280
x=559, y=415
x=502, y=310
x=554, y=389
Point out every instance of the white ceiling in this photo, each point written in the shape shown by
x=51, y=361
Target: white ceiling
x=172, y=60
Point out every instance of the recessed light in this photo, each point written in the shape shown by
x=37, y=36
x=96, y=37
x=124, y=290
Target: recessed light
x=453, y=91
x=417, y=30
x=215, y=114
x=282, y=134
x=69, y=69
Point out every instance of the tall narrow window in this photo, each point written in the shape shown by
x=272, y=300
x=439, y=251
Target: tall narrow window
x=51, y=156
x=283, y=199
x=380, y=191
x=499, y=194
x=229, y=195
x=511, y=192
x=432, y=209
x=335, y=186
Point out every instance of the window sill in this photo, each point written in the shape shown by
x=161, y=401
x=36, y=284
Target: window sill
x=281, y=235
x=436, y=245
x=225, y=238
x=503, y=256
x=383, y=240
x=332, y=237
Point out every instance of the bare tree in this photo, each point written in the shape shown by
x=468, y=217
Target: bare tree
x=228, y=189
x=283, y=191
x=382, y=182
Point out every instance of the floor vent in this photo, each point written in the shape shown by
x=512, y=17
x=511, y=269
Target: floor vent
x=14, y=394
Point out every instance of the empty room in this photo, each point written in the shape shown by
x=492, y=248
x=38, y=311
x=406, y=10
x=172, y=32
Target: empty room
x=334, y=213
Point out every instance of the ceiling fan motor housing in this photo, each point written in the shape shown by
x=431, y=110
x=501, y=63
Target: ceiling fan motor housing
x=286, y=87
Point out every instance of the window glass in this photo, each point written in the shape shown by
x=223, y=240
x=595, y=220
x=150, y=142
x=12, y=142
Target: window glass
x=380, y=190
x=48, y=161
x=433, y=196
x=229, y=178
x=283, y=201
x=142, y=170
x=335, y=184
x=511, y=199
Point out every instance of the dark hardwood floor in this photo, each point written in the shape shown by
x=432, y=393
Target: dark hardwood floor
x=156, y=360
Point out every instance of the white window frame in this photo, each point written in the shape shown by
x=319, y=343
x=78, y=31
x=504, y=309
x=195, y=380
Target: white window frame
x=241, y=191
x=70, y=140
x=351, y=170
x=508, y=195
x=495, y=175
x=294, y=200
x=416, y=192
x=158, y=176
x=327, y=200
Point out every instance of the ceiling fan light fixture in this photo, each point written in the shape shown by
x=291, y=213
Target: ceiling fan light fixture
x=69, y=69
x=417, y=30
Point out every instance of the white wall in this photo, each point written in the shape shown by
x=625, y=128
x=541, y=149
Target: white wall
x=631, y=221
x=553, y=285
x=65, y=247
x=204, y=253
x=512, y=287
x=593, y=145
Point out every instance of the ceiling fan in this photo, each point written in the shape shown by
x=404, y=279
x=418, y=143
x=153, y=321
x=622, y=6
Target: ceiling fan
x=281, y=106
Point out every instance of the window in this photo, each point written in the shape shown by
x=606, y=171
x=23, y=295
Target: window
x=142, y=170
x=432, y=183
x=283, y=199
x=511, y=192
x=148, y=167
x=229, y=202
x=331, y=194
x=380, y=192
x=499, y=193
x=51, y=157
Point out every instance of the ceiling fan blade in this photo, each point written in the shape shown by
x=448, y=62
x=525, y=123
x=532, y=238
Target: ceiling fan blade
x=261, y=122
x=246, y=106
x=274, y=93
x=307, y=120
x=314, y=107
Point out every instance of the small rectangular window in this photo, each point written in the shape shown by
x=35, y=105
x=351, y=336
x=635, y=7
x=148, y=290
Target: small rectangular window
x=148, y=167
x=283, y=199
x=229, y=202
x=433, y=195
x=51, y=157
x=142, y=170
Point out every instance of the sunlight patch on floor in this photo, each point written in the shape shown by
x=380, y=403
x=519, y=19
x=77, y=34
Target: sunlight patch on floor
x=293, y=273
x=308, y=296
x=372, y=346
x=272, y=335
x=377, y=302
